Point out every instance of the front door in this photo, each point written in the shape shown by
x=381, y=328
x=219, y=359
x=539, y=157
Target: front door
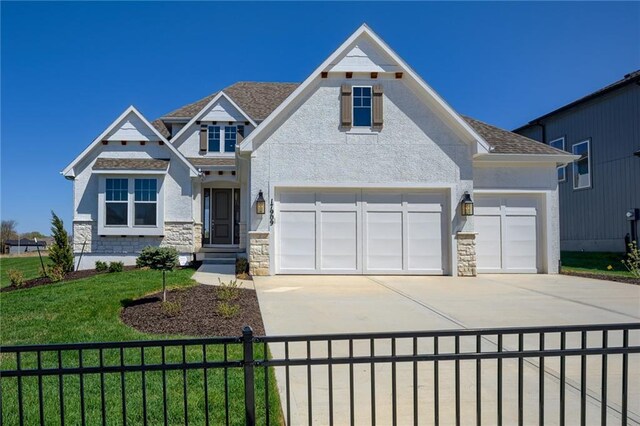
x=222, y=216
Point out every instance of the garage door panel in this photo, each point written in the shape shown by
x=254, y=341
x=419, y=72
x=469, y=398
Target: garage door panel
x=383, y=241
x=488, y=243
x=297, y=240
x=338, y=241
x=424, y=241
x=298, y=200
x=520, y=244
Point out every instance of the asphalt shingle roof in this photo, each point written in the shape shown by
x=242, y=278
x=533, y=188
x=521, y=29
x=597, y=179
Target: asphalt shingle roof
x=259, y=100
x=210, y=161
x=130, y=164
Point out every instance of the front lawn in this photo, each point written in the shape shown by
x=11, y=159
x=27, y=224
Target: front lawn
x=29, y=265
x=594, y=263
x=87, y=310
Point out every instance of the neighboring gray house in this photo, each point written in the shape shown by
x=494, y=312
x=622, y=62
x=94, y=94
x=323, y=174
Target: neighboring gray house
x=360, y=169
x=23, y=245
x=600, y=192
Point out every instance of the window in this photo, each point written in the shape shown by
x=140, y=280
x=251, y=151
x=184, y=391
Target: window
x=582, y=166
x=562, y=170
x=361, y=106
x=214, y=139
x=145, y=202
x=116, y=200
x=230, y=133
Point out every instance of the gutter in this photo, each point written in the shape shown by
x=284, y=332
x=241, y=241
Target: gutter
x=558, y=159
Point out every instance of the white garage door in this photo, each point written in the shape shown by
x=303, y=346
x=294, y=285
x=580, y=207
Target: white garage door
x=360, y=232
x=508, y=234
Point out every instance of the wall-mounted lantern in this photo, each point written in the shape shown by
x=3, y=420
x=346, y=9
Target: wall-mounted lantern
x=260, y=204
x=466, y=205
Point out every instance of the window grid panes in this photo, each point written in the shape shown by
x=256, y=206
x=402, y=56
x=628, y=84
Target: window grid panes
x=362, y=106
x=230, y=138
x=116, y=195
x=562, y=170
x=582, y=166
x=214, y=138
x=145, y=197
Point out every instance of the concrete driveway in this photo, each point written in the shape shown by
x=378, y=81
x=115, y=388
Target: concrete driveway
x=341, y=304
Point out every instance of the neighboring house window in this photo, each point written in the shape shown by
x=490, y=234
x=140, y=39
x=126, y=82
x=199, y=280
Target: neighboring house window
x=230, y=138
x=361, y=106
x=582, y=166
x=116, y=200
x=562, y=170
x=214, y=139
x=145, y=201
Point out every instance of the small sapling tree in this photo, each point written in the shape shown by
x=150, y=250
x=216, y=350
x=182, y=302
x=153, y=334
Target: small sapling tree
x=159, y=258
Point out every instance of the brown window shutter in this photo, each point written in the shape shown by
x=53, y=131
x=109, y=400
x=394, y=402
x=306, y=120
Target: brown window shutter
x=203, y=138
x=377, y=107
x=346, y=106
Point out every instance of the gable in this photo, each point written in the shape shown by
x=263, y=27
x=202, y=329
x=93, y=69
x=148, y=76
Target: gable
x=131, y=128
x=360, y=55
x=364, y=57
x=223, y=110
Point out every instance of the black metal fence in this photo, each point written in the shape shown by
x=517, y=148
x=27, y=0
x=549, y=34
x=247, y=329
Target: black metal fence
x=561, y=375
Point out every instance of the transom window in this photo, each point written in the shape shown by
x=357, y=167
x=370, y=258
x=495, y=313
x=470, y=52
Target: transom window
x=361, y=106
x=582, y=166
x=217, y=143
x=562, y=170
x=116, y=200
x=145, y=201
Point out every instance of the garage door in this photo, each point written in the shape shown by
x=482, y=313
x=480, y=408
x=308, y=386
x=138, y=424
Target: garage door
x=508, y=230
x=360, y=232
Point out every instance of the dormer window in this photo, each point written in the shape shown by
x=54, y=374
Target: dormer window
x=214, y=138
x=230, y=133
x=362, y=106
x=221, y=139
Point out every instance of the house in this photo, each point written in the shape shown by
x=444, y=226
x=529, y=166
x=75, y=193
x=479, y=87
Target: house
x=600, y=192
x=23, y=245
x=360, y=169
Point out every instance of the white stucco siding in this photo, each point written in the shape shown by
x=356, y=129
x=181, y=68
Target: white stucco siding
x=414, y=149
x=176, y=183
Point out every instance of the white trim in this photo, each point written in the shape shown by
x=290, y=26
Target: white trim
x=68, y=171
x=211, y=103
x=564, y=167
x=247, y=143
x=524, y=158
x=573, y=169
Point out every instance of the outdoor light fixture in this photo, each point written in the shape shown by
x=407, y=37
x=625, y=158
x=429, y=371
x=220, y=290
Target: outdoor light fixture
x=466, y=205
x=260, y=204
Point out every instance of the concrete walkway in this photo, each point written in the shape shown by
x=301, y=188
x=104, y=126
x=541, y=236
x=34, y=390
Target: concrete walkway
x=340, y=304
x=209, y=275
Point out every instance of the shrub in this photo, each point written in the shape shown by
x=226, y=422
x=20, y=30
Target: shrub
x=171, y=309
x=60, y=251
x=632, y=262
x=160, y=258
x=55, y=273
x=228, y=310
x=16, y=277
x=228, y=291
x=116, y=266
x=101, y=266
x=242, y=266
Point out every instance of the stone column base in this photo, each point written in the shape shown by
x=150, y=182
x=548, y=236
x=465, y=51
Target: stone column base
x=259, y=263
x=467, y=261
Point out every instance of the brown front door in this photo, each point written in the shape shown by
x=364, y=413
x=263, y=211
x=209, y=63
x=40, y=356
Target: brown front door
x=221, y=218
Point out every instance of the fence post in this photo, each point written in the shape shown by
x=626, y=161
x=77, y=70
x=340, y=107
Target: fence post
x=249, y=389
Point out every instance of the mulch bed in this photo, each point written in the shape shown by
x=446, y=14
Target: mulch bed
x=71, y=276
x=608, y=277
x=197, y=316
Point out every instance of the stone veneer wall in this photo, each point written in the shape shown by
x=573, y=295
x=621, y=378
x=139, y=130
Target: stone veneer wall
x=197, y=236
x=179, y=235
x=259, y=253
x=467, y=262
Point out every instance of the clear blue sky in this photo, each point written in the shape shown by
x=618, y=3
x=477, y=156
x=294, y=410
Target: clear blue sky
x=69, y=69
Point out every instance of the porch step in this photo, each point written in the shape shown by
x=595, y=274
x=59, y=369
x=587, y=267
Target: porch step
x=219, y=255
x=218, y=261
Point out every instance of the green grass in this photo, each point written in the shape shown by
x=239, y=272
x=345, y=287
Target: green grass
x=29, y=265
x=87, y=310
x=594, y=263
